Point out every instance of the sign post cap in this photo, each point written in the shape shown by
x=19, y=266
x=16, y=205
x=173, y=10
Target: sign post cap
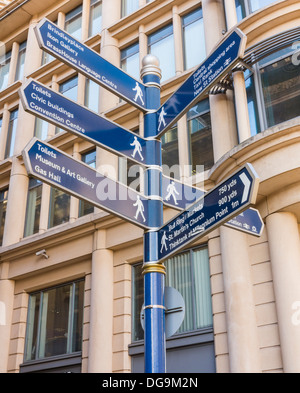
x=150, y=65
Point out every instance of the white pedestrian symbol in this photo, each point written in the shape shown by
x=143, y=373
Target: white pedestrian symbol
x=163, y=242
x=140, y=208
x=171, y=189
x=139, y=93
x=161, y=119
x=137, y=148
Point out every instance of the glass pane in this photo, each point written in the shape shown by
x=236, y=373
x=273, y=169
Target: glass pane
x=41, y=129
x=170, y=153
x=11, y=134
x=92, y=93
x=4, y=70
x=32, y=327
x=161, y=44
x=193, y=28
x=240, y=9
x=179, y=276
x=201, y=147
x=95, y=18
x=32, y=221
x=257, y=4
x=90, y=159
x=129, y=6
x=3, y=206
x=59, y=208
x=54, y=323
x=46, y=58
x=77, y=317
x=70, y=90
x=138, y=301
x=252, y=106
x=281, y=91
x=130, y=61
x=202, y=289
x=21, y=62
x=73, y=23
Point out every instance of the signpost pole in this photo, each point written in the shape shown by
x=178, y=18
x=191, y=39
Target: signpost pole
x=154, y=272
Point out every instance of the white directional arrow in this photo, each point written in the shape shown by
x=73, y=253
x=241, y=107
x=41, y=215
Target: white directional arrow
x=247, y=185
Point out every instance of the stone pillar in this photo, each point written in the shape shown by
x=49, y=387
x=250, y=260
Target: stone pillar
x=243, y=343
x=6, y=309
x=241, y=106
x=177, y=26
x=224, y=133
x=16, y=205
x=101, y=310
x=240, y=313
x=230, y=11
x=284, y=245
x=107, y=163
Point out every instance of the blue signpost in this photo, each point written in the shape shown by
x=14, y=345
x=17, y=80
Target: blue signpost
x=180, y=196
x=216, y=207
x=74, y=53
x=249, y=221
x=58, y=169
x=223, y=58
x=206, y=211
x=49, y=105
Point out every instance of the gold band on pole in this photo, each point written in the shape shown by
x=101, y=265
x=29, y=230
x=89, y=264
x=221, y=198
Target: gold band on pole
x=154, y=268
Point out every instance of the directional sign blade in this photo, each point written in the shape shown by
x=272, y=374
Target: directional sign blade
x=249, y=221
x=49, y=105
x=74, y=53
x=56, y=168
x=178, y=195
x=212, y=210
x=211, y=71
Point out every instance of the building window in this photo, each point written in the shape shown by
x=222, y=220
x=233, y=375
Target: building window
x=46, y=57
x=11, y=133
x=200, y=137
x=54, y=322
x=130, y=60
x=247, y=7
x=193, y=27
x=170, y=153
x=252, y=104
x=73, y=22
x=88, y=158
x=21, y=62
x=59, y=211
x=33, y=209
x=273, y=90
x=95, y=25
x=189, y=274
x=280, y=81
x=70, y=90
x=92, y=95
x=4, y=70
x=161, y=44
x=3, y=206
x=129, y=6
x=41, y=129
